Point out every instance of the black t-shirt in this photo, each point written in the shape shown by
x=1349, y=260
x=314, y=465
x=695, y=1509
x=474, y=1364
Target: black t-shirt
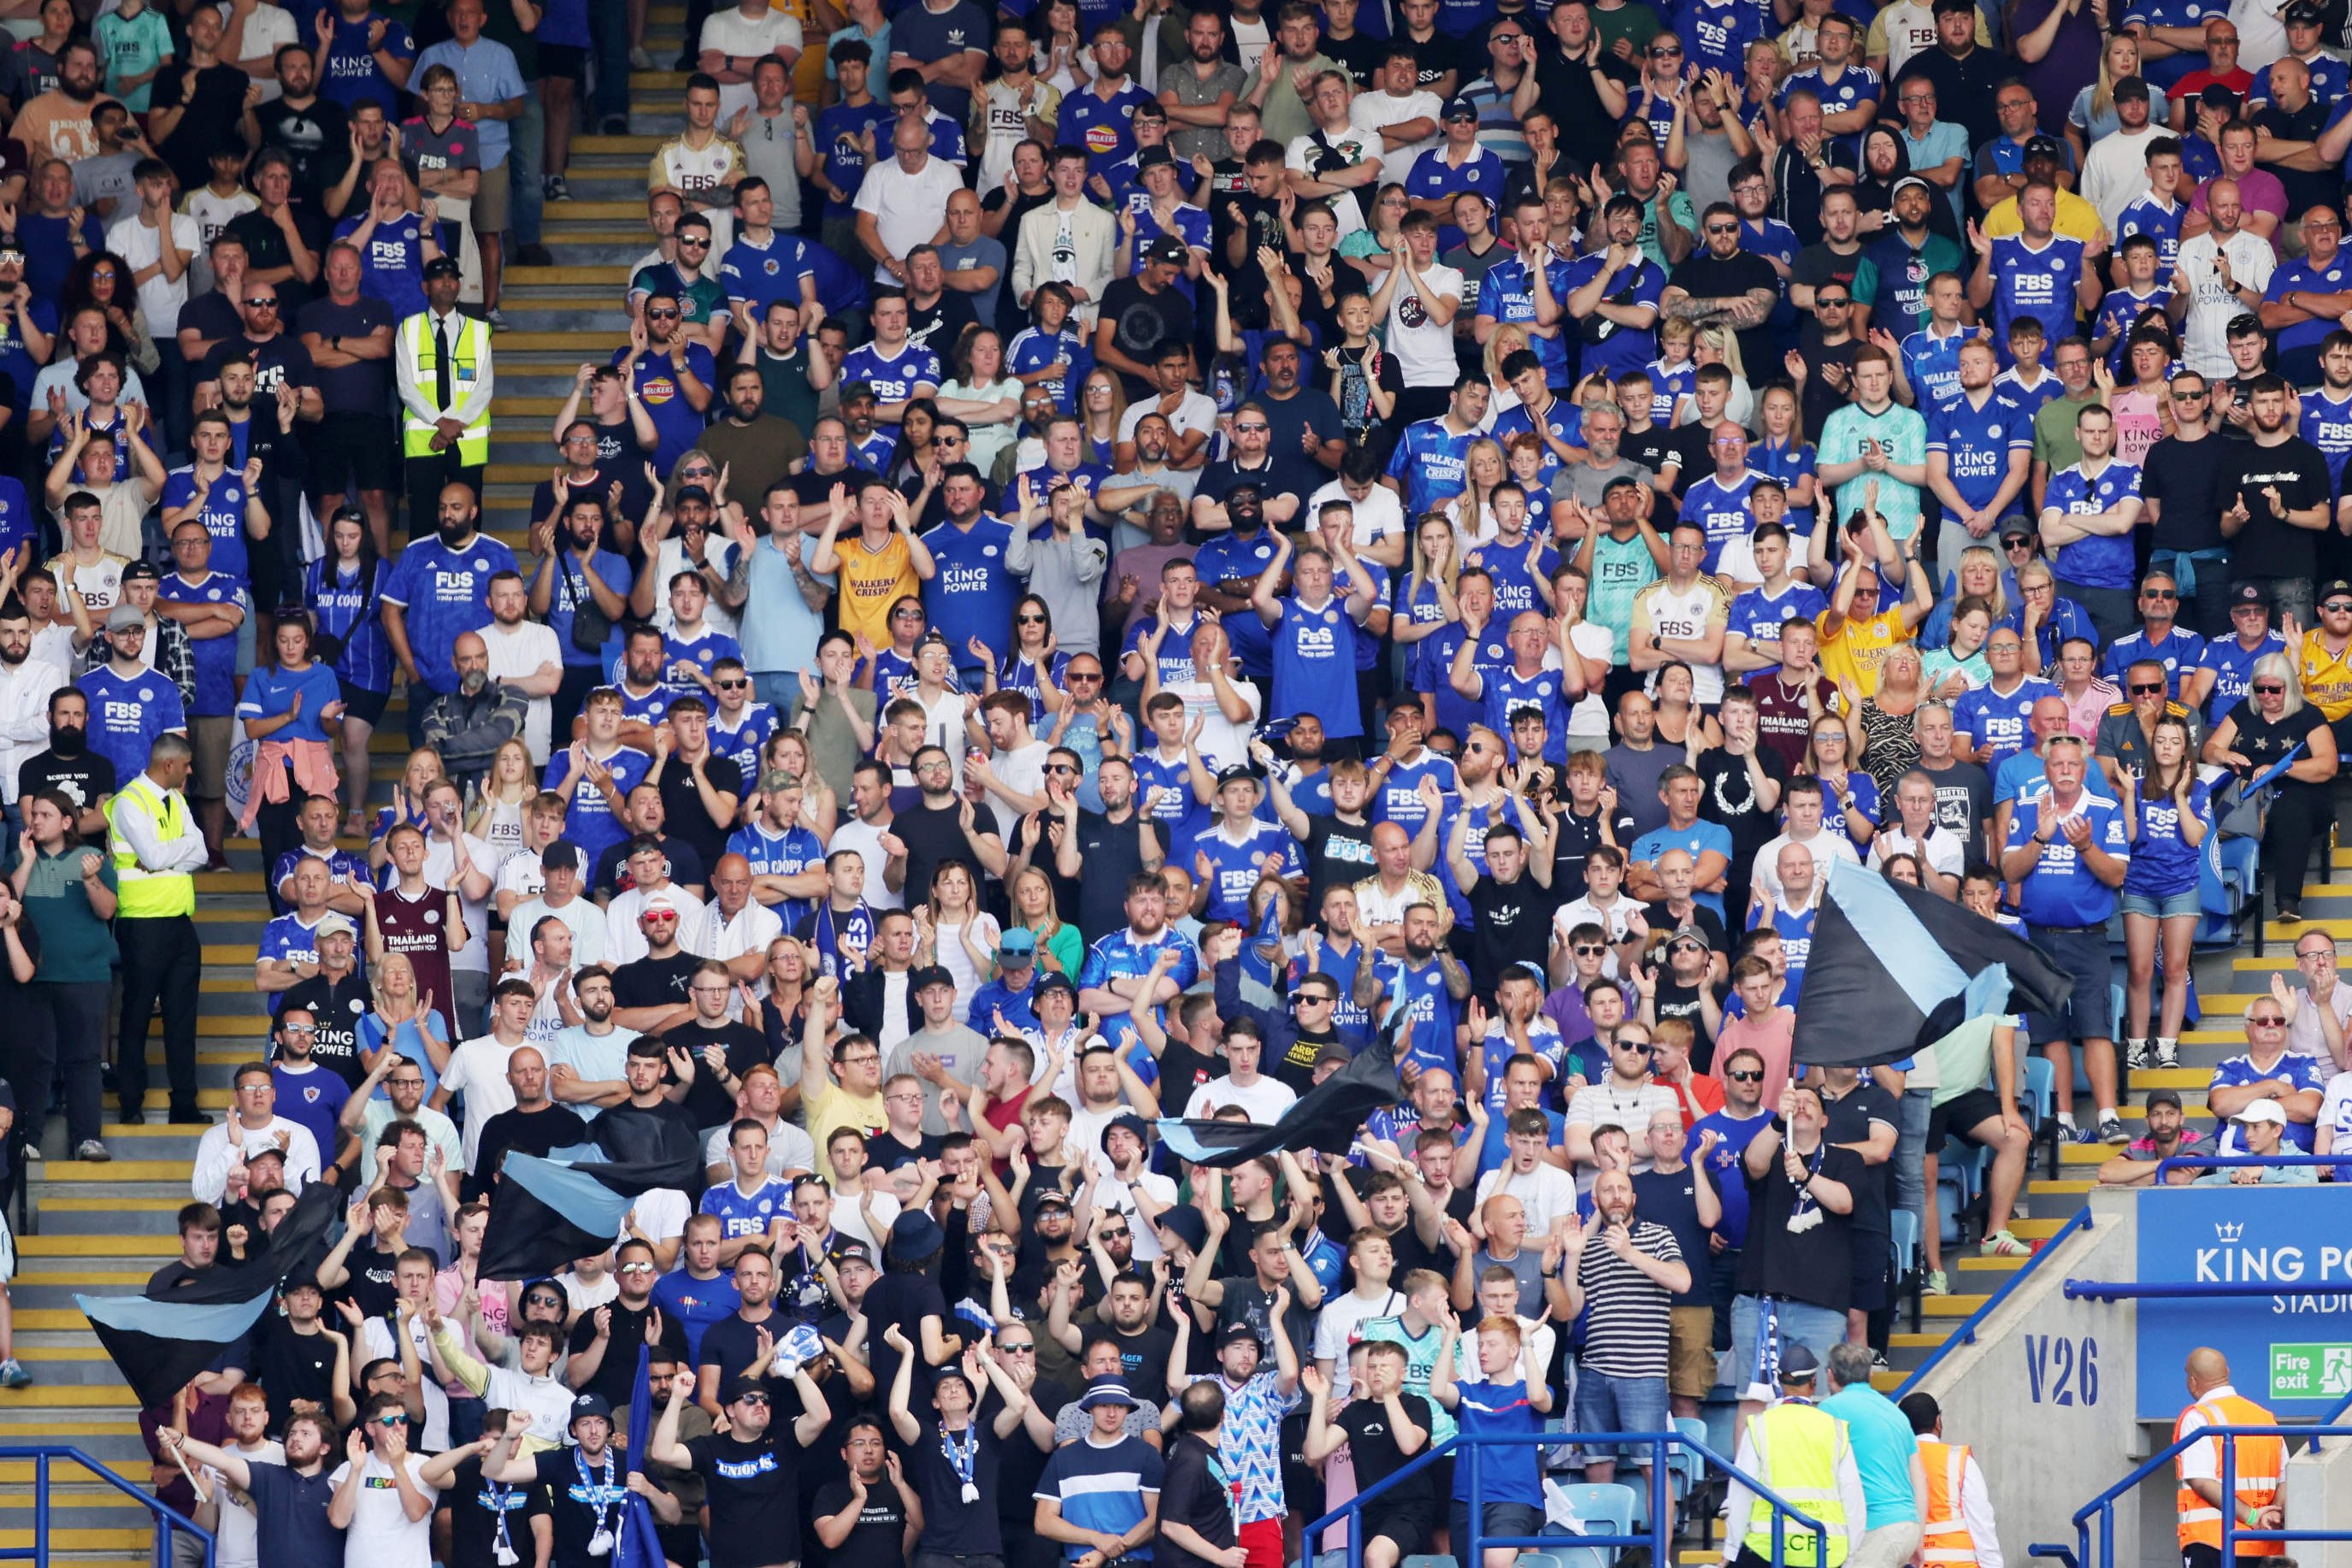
x=214, y=315
x=338, y=1011
x=2268, y=546
x=1335, y=851
x=1261, y=219
x=1371, y=1438
x=1510, y=924
x=84, y=779
x=1437, y=55
x=278, y=360
x=374, y=1286
x=905, y=1300
x=1730, y=797
x=654, y=982
x=706, y=1103
x=210, y=123
x=934, y=836
x=362, y=387
x=1574, y=839
x=731, y=1345
x=1811, y=1261
x=754, y=1497
x=266, y=248
x=475, y=1506
x=952, y=1526
x=1691, y=449
x=539, y=1132
x=937, y=327
x=885, y=1153
x=2266, y=742
x=1284, y=473
x=616, y=1374
x=2191, y=479
x=1710, y=925
x=1675, y=1000
x=291, y=1366
x=1703, y=277
x=1963, y=802
x=1850, y=1123
x=878, y=1538
x=1588, y=132
x=1143, y=1356
x=1144, y=321
x=316, y=137
x=1360, y=55
x=2304, y=188
x=685, y=815
x=587, y=1497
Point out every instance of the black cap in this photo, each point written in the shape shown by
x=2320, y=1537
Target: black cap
x=1154, y=158
x=562, y=856
x=2017, y=528
x=1054, y=981
x=1942, y=7
x=2330, y=589
x=2131, y=87
x=691, y=493
x=2303, y=15
x=1235, y=1332
x=1622, y=482
x=1460, y=109
x=2170, y=1097
x=1186, y=1225
x=1054, y=1197
x=1237, y=774
x=2249, y=593
x=2044, y=147
x=929, y=975
x=142, y=572
x=440, y=267
x=1167, y=248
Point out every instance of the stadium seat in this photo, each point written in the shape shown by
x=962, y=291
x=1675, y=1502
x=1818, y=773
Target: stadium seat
x=1603, y=1510
x=1903, y=1225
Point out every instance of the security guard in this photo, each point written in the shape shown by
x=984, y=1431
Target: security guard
x=442, y=362
x=1959, y=1527
x=2261, y=1468
x=1802, y=1453
x=157, y=849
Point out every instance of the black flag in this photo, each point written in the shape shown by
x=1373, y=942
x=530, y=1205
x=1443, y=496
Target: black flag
x=547, y=1214
x=1894, y=968
x=1324, y=1119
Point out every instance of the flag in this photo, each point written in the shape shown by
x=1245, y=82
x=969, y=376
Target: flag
x=160, y=1345
x=547, y=1213
x=2272, y=773
x=294, y=1250
x=1324, y=1119
x=1894, y=969
x=639, y=1546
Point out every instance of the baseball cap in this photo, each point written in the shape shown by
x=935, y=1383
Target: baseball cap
x=1235, y=1332
x=1686, y=932
x=855, y=1252
x=1053, y=1197
x=1460, y=109
x=692, y=492
x=2301, y=15
x=1909, y=180
x=2332, y=588
x=1017, y=945
x=1055, y=983
x=2044, y=147
x=2131, y=87
x=1154, y=158
x=2017, y=528
x=587, y=1405
x=2261, y=1111
x=1167, y=248
x=1798, y=1364
x=1237, y=773
x=441, y=266
x=125, y=617
x=562, y=856
x=659, y=902
x=2249, y=593
x=142, y=572
x=333, y=924
x=931, y=975
x=2170, y=1097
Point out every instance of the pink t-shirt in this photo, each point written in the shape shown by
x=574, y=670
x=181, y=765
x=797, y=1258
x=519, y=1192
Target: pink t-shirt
x=1772, y=1039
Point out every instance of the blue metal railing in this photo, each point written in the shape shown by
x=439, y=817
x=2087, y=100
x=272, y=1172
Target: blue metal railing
x=2101, y=1509
x=1966, y=1334
x=168, y=1519
x=1658, y=1539
x=2197, y=1161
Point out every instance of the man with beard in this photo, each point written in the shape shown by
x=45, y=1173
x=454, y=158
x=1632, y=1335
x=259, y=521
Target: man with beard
x=1101, y=853
x=442, y=364
x=1141, y=312
x=2278, y=501
x=587, y=1062
x=1120, y=967
x=583, y=1478
x=604, y=1346
x=282, y=242
x=467, y=726
x=755, y=448
x=367, y=1113
x=941, y=828
x=438, y=591
x=313, y=132
x=583, y=574
x=290, y=1501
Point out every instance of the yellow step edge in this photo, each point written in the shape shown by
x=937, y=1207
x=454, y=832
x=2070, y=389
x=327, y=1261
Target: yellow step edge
x=2048, y=1187
x=115, y=1170
x=1982, y=1264
x=108, y=1206
x=126, y=1247
x=67, y=1397
x=1961, y=1306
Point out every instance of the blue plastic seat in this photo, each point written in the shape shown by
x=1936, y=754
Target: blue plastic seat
x=1604, y=1511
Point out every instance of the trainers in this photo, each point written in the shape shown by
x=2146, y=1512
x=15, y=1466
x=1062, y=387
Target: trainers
x=33, y=1154
x=496, y=318
x=13, y=1374
x=639, y=60
x=2167, y=1053
x=2289, y=913
x=615, y=125
x=553, y=189
x=1935, y=1283
x=2137, y=1056
x=92, y=1149
x=534, y=256
x=2111, y=1131
x=2001, y=1243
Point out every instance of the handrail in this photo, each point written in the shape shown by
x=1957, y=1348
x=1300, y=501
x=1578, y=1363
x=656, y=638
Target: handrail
x=2103, y=1507
x=2193, y=1162
x=1966, y=1334
x=1661, y=1524
x=2173, y=1289
x=167, y=1519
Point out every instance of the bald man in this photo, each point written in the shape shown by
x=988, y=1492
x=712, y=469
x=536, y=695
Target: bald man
x=532, y=1123
x=2260, y=1463
x=468, y=725
x=1382, y=898
x=736, y=927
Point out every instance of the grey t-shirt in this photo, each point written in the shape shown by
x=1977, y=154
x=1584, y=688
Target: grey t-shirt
x=1589, y=484
x=960, y=1050
x=981, y=252
x=105, y=176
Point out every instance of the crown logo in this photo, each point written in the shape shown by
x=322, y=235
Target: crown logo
x=2229, y=1230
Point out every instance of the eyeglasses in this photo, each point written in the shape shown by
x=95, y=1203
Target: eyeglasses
x=261, y=304
x=1745, y=1077
x=2269, y=688
x=1029, y=620
x=2160, y=592
x=1832, y=299
x=2267, y=1021
x=2337, y=608
x=406, y=1082
x=731, y=685
x=915, y=1099
x=2147, y=689
x=1723, y=229
x=2188, y=397
x=859, y=1059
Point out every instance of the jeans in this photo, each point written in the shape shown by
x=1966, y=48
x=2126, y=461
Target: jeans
x=1818, y=1329
x=526, y=203
x=163, y=962
x=177, y=390
x=778, y=688
x=1911, y=1155
x=2110, y=609
x=1606, y=1403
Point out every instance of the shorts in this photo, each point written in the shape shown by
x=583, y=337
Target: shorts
x=1261, y=1540
x=1960, y=1116
x=566, y=60
x=1507, y=1519
x=1607, y=1404
x=353, y=451
x=362, y=704
x=1690, y=1351
x=2084, y=958
x=493, y=200
x=2189, y=901
x=211, y=737
x=7, y=1251
x=1408, y=1527
x=1873, y=1259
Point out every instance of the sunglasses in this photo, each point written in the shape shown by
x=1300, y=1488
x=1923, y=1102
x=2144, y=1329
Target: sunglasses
x=2147, y=689
x=2268, y=1021
x=2188, y=397
x=700, y=244
x=2017, y=544
x=1029, y=620
x=731, y=685
x=1723, y=229
x=1590, y=950
x=261, y=304
x=2337, y=608
x=1745, y=1077
x=1061, y=768
x=2270, y=688
x=1024, y=1348
x=2159, y=593
x=1253, y=430
x=637, y=1267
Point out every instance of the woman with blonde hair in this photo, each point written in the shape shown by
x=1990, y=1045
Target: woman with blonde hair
x=1673, y=373
x=422, y=770
x=1036, y=910
x=1428, y=598
x=2269, y=722
x=1472, y=511
x=400, y=1020
x=1976, y=576
x=2093, y=114
x=1889, y=749
x=495, y=815
x=1102, y=409
x=1508, y=338
x=1849, y=796
x=953, y=931
x=787, y=751
x=1718, y=344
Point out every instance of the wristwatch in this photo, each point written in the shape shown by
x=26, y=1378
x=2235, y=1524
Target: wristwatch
x=1657, y=643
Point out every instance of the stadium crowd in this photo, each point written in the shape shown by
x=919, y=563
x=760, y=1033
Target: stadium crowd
x=1109, y=545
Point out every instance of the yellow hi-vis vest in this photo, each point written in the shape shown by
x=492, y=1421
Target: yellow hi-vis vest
x=1944, y=1540
x=141, y=894
x=465, y=370
x=1801, y=1446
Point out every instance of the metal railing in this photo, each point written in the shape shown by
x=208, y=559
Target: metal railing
x=2217, y=1161
x=2101, y=1509
x=1658, y=1539
x=168, y=1519
x=1966, y=1334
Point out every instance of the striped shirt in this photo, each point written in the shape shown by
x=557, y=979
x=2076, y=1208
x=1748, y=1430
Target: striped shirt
x=1625, y=1311
x=1101, y=1487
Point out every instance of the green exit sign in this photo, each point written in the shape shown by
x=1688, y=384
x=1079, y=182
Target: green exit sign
x=2310, y=1372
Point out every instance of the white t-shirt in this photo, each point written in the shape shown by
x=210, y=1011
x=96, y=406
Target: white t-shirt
x=160, y=297
x=1827, y=848
x=733, y=33
x=1545, y=1193
x=1592, y=640
x=478, y=1067
x=1266, y=1100
x=266, y=30
x=1375, y=111
x=662, y=1214
x=1424, y=348
x=379, y=1345
x=1222, y=743
x=586, y=921
x=1196, y=412
x=1335, y=1326
x=1356, y=146
x=381, y=1535
x=439, y=859
x=1377, y=516
x=624, y=941
x=517, y=651
x=905, y=208
x=1111, y=1194
x=2334, y=1114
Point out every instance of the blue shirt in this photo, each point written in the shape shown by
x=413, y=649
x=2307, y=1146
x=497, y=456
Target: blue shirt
x=2118, y=310
x=1883, y=1448
x=1314, y=656
x=128, y=714
x=1977, y=443
x=1700, y=837
x=2326, y=423
x=215, y=657
x=1722, y=510
x=2304, y=1072
x=696, y=1304
x=763, y=274
x=2232, y=665
x=1234, y=868
x=976, y=589
x=1430, y=460
x=2059, y=888
x=2180, y=650
x=1932, y=365
x=1514, y=581
x=1432, y=1007
x=1163, y=796
x=223, y=516
x=1997, y=726
x=1624, y=348
x=739, y=1214
x=487, y=73
x=1433, y=176
x=2144, y=215
x=589, y=821
x=314, y=1098
x=1102, y=1488
x=1735, y=1133
x=834, y=136
x=1506, y=691
x=788, y=854
x=345, y=607
x=742, y=746
x=678, y=422
x=2033, y=283
x=1398, y=799
x=2096, y=560
x=1564, y=419
x=1506, y=1474
x=269, y=692
x=1757, y=616
x=1102, y=126
x=2164, y=863
x=1434, y=663
x=350, y=75
x=1033, y=350
x=1119, y=955
x=1717, y=36
x=1229, y=556
x=610, y=570
x=391, y=263
x=444, y=593
x=1507, y=294
x=1796, y=931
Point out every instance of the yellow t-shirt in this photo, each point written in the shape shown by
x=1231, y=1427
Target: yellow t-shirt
x=808, y=76
x=1860, y=648
x=2327, y=677
x=827, y=1107
x=2076, y=218
x=871, y=581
